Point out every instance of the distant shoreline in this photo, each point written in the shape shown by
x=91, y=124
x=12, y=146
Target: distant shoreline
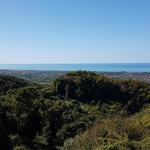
x=96, y=67
x=42, y=76
x=65, y=71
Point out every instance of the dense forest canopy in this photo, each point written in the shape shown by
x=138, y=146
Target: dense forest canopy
x=90, y=87
x=42, y=117
x=10, y=82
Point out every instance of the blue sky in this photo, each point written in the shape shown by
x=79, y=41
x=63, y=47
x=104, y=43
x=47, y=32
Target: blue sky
x=74, y=31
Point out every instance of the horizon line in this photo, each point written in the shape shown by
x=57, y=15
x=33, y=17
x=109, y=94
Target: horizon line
x=74, y=63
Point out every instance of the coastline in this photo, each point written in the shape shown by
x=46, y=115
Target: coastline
x=41, y=76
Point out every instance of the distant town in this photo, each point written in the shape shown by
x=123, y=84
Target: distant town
x=48, y=76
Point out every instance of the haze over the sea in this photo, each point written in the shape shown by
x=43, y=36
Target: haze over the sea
x=136, y=67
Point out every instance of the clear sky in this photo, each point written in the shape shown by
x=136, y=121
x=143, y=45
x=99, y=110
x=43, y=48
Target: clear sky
x=74, y=31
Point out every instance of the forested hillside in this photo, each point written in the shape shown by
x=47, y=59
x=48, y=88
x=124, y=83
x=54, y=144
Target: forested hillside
x=79, y=111
x=115, y=133
x=10, y=82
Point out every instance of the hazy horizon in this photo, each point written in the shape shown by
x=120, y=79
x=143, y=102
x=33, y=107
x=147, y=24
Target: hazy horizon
x=74, y=63
x=109, y=67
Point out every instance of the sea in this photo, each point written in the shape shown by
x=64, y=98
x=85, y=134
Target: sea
x=103, y=67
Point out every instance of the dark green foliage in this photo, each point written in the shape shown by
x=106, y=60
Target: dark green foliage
x=58, y=117
x=86, y=86
x=45, y=116
x=28, y=114
x=9, y=82
x=90, y=87
x=5, y=143
x=135, y=134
